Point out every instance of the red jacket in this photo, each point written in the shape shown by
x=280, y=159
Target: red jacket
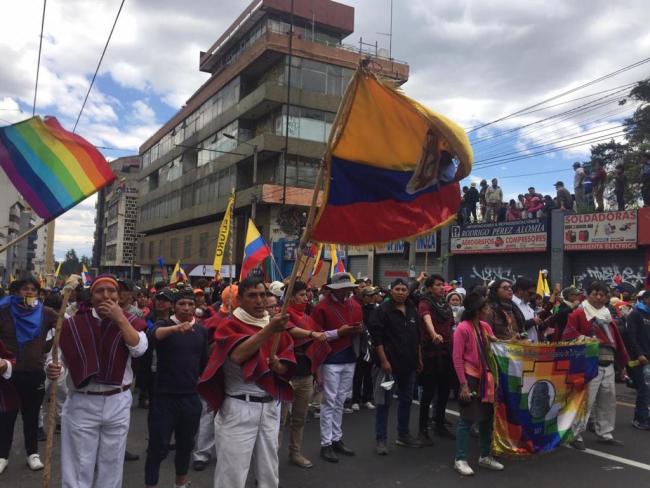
x=578, y=325
x=331, y=315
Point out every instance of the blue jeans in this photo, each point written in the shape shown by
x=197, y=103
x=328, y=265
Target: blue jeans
x=462, y=435
x=404, y=383
x=642, y=395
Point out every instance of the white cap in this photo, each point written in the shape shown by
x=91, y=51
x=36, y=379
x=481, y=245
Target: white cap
x=277, y=288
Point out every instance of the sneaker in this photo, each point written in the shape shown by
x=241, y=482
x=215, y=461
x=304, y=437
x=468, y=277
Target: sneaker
x=408, y=441
x=34, y=462
x=317, y=414
x=425, y=439
x=355, y=407
x=640, y=425
x=610, y=441
x=3, y=464
x=578, y=444
x=369, y=405
x=348, y=410
x=463, y=468
x=381, y=448
x=489, y=462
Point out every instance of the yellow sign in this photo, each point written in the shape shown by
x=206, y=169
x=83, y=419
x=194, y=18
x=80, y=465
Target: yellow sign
x=222, y=237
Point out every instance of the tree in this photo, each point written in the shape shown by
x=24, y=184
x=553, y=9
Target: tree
x=71, y=263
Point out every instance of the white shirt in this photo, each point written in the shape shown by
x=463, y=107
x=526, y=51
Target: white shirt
x=234, y=381
x=134, y=351
x=528, y=314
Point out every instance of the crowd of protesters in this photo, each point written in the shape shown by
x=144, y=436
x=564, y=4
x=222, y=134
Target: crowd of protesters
x=486, y=203
x=203, y=363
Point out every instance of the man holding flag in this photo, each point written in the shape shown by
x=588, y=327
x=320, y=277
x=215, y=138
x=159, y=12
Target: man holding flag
x=244, y=383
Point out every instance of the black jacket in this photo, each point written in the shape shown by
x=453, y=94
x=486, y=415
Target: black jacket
x=638, y=334
x=399, y=333
x=472, y=196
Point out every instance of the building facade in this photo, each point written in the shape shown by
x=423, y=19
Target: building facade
x=27, y=257
x=258, y=125
x=115, y=233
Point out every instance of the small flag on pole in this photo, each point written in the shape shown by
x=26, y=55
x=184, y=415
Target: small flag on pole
x=58, y=269
x=222, y=237
x=163, y=268
x=338, y=266
x=52, y=169
x=178, y=275
x=255, y=250
x=86, y=277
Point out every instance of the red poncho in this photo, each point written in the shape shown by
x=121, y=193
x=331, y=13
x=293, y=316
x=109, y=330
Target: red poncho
x=316, y=351
x=331, y=315
x=229, y=333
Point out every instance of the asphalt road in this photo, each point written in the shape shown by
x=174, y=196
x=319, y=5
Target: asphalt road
x=599, y=466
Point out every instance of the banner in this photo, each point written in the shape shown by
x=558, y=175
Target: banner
x=541, y=398
x=224, y=231
x=514, y=236
x=605, y=230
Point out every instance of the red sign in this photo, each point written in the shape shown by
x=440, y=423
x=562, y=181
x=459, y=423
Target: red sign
x=643, y=215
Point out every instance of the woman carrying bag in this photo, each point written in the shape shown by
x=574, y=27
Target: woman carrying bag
x=476, y=394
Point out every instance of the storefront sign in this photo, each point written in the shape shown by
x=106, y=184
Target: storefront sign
x=515, y=236
x=422, y=244
x=605, y=230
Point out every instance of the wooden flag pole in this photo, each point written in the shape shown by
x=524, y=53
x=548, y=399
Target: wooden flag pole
x=299, y=253
x=22, y=236
x=71, y=284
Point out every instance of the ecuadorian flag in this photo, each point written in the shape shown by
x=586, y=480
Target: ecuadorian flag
x=393, y=167
x=255, y=250
x=338, y=266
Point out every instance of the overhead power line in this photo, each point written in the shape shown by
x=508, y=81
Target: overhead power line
x=560, y=95
x=92, y=82
x=38, y=62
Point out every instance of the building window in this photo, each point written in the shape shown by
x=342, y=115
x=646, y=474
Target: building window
x=150, y=249
x=301, y=172
x=173, y=248
x=187, y=246
x=141, y=251
x=161, y=247
x=305, y=123
x=203, y=245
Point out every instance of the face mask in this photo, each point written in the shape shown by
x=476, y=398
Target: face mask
x=301, y=307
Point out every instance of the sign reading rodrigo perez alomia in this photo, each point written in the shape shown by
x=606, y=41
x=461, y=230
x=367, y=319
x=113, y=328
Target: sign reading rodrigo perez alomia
x=516, y=236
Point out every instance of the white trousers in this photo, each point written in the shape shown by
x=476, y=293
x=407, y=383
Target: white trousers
x=337, y=383
x=246, y=434
x=205, y=437
x=93, y=440
x=602, y=401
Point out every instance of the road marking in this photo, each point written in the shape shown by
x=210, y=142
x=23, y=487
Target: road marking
x=625, y=404
x=593, y=452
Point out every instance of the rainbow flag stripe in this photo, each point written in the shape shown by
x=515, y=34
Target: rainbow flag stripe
x=52, y=169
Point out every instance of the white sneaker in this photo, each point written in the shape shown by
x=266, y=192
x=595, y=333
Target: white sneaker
x=490, y=463
x=3, y=464
x=355, y=407
x=369, y=405
x=463, y=468
x=34, y=462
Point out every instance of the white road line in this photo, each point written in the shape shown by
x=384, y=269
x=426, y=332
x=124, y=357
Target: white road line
x=593, y=452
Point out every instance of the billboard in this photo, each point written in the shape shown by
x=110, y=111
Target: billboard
x=597, y=231
x=528, y=235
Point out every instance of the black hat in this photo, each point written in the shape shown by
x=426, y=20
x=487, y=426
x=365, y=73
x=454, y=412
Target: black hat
x=125, y=284
x=165, y=294
x=473, y=302
x=184, y=294
x=576, y=164
x=559, y=183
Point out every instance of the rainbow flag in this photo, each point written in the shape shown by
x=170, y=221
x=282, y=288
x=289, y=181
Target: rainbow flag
x=255, y=250
x=541, y=398
x=338, y=266
x=393, y=167
x=52, y=169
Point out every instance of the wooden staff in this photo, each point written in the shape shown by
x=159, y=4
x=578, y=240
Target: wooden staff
x=303, y=242
x=22, y=236
x=71, y=284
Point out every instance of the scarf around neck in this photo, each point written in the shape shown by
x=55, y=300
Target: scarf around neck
x=247, y=318
x=28, y=320
x=591, y=312
x=175, y=319
x=441, y=307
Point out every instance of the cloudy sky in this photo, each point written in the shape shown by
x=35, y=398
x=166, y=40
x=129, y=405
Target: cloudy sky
x=474, y=61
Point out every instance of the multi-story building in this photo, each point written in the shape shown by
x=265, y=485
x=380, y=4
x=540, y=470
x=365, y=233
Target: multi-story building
x=258, y=125
x=115, y=234
x=28, y=256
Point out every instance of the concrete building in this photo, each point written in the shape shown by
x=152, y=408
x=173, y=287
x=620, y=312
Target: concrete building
x=115, y=234
x=27, y=257
x=258, y=125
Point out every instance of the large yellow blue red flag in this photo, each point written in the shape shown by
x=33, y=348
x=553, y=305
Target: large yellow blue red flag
x=393, y=167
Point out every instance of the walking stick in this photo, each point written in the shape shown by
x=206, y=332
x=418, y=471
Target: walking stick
x=70, y=285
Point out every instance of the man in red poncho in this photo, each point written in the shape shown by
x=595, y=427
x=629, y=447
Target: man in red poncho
x=244, y=385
